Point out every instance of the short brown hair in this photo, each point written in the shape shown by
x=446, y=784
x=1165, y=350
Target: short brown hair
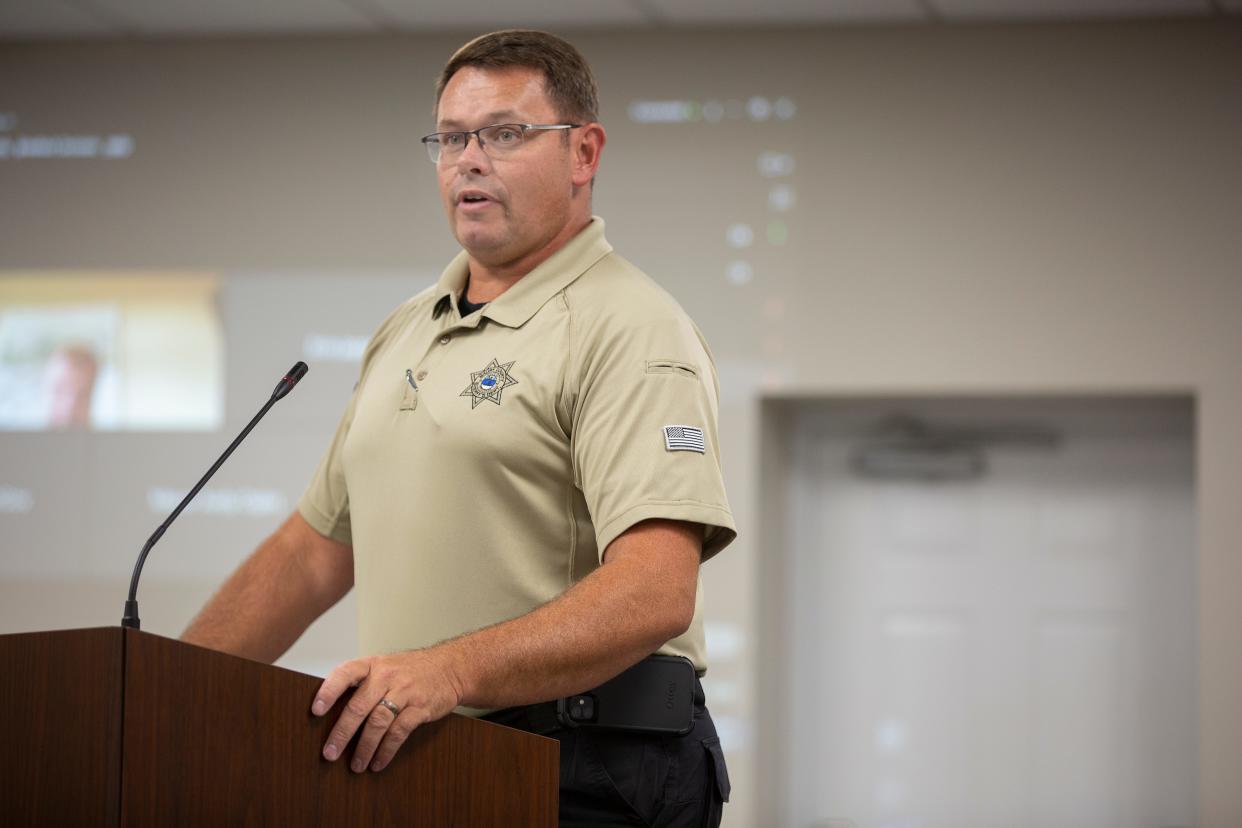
x=567, y=77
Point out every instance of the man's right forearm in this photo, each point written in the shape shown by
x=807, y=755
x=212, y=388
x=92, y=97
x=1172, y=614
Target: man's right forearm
x=290, y=580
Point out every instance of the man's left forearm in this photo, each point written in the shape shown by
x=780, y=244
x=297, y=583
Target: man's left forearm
x=639, y=598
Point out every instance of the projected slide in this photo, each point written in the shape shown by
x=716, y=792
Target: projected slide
x=111, y=352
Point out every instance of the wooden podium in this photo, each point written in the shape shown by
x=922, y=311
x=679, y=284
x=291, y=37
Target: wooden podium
x=119, y=727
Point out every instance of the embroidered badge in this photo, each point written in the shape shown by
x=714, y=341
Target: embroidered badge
x=684, y=438
x=489, y=383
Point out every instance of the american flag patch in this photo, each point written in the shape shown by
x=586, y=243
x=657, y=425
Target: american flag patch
x=684, y=438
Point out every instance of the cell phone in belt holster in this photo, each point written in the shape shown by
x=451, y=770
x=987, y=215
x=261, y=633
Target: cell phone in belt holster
x=656, y=695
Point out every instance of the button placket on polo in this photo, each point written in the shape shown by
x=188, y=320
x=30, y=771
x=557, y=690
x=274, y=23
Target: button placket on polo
x=439, y=342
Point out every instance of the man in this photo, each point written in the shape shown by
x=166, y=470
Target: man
x=526, y=479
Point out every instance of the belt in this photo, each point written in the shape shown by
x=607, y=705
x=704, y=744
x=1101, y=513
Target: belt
x=541, y=719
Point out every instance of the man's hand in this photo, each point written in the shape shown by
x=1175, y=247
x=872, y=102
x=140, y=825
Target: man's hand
x=416, y=682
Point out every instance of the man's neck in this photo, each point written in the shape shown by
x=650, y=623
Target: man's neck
x=487, y=281
x=484, y=284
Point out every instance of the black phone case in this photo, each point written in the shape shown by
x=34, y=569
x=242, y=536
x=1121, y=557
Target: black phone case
x=656, y=695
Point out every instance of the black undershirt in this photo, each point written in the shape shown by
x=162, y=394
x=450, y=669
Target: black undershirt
x=465, y=308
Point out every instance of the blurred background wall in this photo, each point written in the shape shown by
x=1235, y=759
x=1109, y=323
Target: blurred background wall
x=879, y=215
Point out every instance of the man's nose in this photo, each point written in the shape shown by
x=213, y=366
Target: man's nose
x=473, y=157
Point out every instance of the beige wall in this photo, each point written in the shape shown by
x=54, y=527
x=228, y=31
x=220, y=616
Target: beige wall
x=980, y=210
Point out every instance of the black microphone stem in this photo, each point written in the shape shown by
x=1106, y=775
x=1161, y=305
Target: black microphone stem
x=130, y=618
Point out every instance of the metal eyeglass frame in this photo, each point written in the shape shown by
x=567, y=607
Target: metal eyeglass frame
x=435, y=146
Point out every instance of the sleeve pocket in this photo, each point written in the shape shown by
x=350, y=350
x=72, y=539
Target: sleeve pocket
x=668, y=366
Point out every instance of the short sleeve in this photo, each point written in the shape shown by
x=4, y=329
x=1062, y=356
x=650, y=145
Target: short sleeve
x=644, y=439
x=325, y=503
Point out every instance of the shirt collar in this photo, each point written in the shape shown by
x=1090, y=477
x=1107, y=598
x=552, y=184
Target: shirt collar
x=520, y=302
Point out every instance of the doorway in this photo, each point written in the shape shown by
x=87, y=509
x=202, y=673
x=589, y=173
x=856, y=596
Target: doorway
x=980, y=612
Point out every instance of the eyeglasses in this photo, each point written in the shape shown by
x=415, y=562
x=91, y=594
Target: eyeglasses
x=498, y=139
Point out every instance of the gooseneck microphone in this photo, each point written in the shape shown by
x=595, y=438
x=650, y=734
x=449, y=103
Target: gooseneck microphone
x=130, y=619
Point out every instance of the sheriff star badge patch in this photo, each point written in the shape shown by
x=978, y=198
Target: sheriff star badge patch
x=489, y=383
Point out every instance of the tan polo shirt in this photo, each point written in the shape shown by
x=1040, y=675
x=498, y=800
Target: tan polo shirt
x=484, y=464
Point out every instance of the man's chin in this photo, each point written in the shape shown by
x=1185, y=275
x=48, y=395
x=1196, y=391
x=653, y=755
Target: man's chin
x=478, y=240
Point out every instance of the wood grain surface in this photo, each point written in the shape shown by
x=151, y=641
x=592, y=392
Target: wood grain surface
x=112, y=726
x=212, y=739
x=60, y=696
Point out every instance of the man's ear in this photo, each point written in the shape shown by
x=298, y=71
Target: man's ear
x=587, y=146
